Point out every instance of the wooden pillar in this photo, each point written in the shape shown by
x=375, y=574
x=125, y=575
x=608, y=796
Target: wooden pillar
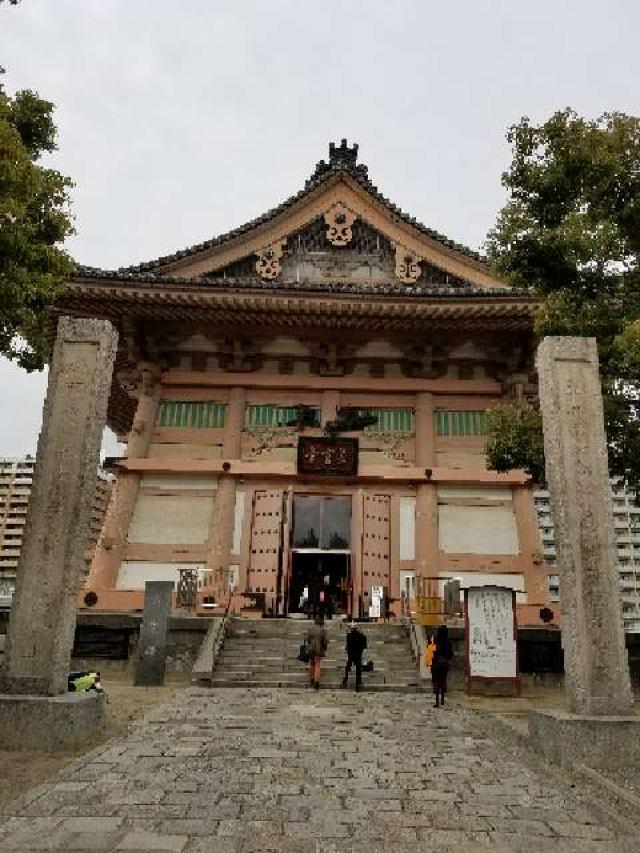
x=356, y=550
x=112, y=544
x=221, y=531
x=427, y=551
x=330, y=405
x=536, y=581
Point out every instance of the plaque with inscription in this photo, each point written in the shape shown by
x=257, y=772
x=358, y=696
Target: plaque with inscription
x=328, y=456
x=491, y=637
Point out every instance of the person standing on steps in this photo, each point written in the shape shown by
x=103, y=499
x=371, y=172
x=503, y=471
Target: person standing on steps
x=440, y=663
x=317, y=643
x=356, y=644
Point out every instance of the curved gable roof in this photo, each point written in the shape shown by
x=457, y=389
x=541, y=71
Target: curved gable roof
x=341, y=179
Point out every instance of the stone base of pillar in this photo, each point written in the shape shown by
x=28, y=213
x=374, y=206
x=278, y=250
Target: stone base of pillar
x=51, y=723
x=598, y=742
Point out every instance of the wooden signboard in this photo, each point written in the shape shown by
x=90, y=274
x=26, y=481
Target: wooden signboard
x=337, y=456
x=491, y=640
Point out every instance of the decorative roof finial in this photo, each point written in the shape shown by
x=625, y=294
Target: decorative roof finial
x=344, y=157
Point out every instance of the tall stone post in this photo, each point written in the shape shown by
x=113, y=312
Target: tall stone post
x=52, y=561
x=596, y=667
x=221, y=535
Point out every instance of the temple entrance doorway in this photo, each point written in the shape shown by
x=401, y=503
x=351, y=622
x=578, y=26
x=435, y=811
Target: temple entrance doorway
x=320, y=555
x=319, y=583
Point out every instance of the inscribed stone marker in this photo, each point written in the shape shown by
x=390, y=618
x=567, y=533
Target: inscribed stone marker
x=152, y=647
x=52, y=558
x=596, y=665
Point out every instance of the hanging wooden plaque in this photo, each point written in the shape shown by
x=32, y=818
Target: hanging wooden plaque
x=318, y=455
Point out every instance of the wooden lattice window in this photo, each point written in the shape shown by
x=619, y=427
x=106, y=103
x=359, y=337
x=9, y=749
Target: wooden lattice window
x=273, y=416
x=461, y=423
x=391, y=420
x=192, y=414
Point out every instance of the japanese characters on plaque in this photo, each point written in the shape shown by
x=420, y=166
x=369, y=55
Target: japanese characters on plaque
x=327, y=456
x=491, y=640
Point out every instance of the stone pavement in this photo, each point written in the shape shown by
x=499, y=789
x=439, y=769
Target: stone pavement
x=242, y=771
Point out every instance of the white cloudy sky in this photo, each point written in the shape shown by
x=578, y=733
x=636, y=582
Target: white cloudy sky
x=179, y=120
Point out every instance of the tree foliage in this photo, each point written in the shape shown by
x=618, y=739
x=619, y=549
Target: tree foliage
x=515, y=439
x=570, y=233
x=34, y=220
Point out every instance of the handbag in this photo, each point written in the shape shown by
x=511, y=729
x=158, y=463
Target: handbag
x=304, y=655
x=367, y=666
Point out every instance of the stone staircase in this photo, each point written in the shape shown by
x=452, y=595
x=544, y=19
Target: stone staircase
x=263, y=653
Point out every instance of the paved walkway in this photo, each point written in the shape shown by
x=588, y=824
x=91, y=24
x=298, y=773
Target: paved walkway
x=239, y=771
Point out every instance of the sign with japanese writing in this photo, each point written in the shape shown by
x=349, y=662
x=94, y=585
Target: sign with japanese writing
x=327, y=455
x=491, y=635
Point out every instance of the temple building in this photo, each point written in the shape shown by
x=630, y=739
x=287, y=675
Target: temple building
x=304, y=403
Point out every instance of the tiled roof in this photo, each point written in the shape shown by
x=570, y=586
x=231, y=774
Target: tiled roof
x=342, y=158
x=391, y=288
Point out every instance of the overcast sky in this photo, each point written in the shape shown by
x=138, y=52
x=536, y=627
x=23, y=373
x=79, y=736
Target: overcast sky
x=180, y=120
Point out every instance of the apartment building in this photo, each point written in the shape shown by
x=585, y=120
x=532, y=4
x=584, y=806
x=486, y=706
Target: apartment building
x=626, y=516
x=16, y=477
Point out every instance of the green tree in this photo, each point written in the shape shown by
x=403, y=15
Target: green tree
x=34, y=221
x=570, y=233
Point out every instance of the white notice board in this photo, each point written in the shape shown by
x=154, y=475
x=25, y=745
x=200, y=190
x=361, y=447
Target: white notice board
x=491, y=632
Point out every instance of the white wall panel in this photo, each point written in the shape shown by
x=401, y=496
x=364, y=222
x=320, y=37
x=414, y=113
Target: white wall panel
x=407, y=528
x=477, y=529
x=467, y=579
x=176, y=482
x=238, y=521
x=164, y=520
x=134, y=573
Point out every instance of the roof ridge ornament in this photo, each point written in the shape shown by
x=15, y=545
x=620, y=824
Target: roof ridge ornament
x=344, y=156
x=341, y=157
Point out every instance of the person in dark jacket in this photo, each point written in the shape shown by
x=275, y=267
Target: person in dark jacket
x=356, y=644
x=440, y=664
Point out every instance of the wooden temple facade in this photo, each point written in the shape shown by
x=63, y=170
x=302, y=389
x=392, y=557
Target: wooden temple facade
x=305, y=397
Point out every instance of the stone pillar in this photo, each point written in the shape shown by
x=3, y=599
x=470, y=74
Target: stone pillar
x=52, y=561
x=112, y=544
x=596, y=667
x=152, y=646
x=426, y=493
x=221, y=534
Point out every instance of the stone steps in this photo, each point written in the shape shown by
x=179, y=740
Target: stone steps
x=265, y=654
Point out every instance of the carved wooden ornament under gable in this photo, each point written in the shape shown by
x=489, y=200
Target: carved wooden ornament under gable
x=339, y=225
x=407, y=264
x=268, y=263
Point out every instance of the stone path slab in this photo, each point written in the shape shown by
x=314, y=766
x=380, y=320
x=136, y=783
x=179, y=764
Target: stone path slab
x=237, y=771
